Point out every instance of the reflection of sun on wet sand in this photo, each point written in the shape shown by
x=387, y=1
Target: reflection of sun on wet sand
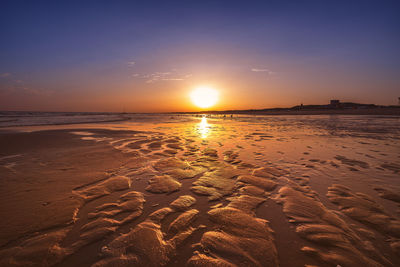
x=208, y=192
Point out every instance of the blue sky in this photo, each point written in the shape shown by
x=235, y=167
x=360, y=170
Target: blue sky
x=147, y=55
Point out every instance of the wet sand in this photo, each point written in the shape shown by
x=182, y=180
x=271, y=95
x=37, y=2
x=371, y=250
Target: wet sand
x=313, y=191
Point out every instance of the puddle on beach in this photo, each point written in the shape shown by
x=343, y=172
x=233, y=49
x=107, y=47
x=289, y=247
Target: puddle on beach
x=241, y=191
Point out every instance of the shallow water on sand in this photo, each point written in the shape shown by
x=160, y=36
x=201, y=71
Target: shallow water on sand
x=221, y=191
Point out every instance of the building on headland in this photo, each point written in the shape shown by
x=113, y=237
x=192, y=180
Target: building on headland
x=335, y=103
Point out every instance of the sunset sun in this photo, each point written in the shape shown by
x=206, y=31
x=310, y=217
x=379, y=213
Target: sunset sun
x=204, y=97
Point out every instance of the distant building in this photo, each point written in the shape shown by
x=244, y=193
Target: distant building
x=335, y=103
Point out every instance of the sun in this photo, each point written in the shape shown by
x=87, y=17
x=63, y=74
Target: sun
x=204, y=96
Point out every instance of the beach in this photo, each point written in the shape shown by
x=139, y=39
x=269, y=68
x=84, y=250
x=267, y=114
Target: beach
x=190, y=190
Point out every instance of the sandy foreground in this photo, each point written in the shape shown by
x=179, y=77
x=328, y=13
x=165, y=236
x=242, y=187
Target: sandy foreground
x=282, y=191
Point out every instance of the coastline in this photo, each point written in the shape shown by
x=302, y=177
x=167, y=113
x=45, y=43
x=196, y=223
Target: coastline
x=395, y=111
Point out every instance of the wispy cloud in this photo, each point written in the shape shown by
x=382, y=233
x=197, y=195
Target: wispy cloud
x=38, y=92
x=263, y=70
x=18, y=87
x=259, y=70
x=24, y=90
x=5, y=74
x=172, y=75
x=131, y=63
x=173, y=79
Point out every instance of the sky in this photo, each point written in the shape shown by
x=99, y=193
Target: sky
x=147, y=56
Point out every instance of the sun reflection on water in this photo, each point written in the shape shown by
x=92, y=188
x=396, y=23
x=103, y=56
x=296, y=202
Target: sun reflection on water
x=203, y=127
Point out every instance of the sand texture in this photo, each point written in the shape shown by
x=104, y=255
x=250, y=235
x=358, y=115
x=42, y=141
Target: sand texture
x=198, y=192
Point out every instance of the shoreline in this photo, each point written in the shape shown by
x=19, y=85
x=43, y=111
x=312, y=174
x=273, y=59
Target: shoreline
x=66, y=123
x=395, y=113
x=370, y=111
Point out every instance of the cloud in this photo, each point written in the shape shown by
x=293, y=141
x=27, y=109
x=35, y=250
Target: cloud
x=173, y=79
x=264, y=71
x=37, y=92
x=24, y=90
x=162, y=76
x=5, y=74
x=259, y=70
x=131, y=63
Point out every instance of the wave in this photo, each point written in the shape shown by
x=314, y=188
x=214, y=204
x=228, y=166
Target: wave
x=23, y=118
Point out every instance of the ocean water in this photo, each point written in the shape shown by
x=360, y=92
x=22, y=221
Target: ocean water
x=26, y=118
x=23, y=118
x=362, y=125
